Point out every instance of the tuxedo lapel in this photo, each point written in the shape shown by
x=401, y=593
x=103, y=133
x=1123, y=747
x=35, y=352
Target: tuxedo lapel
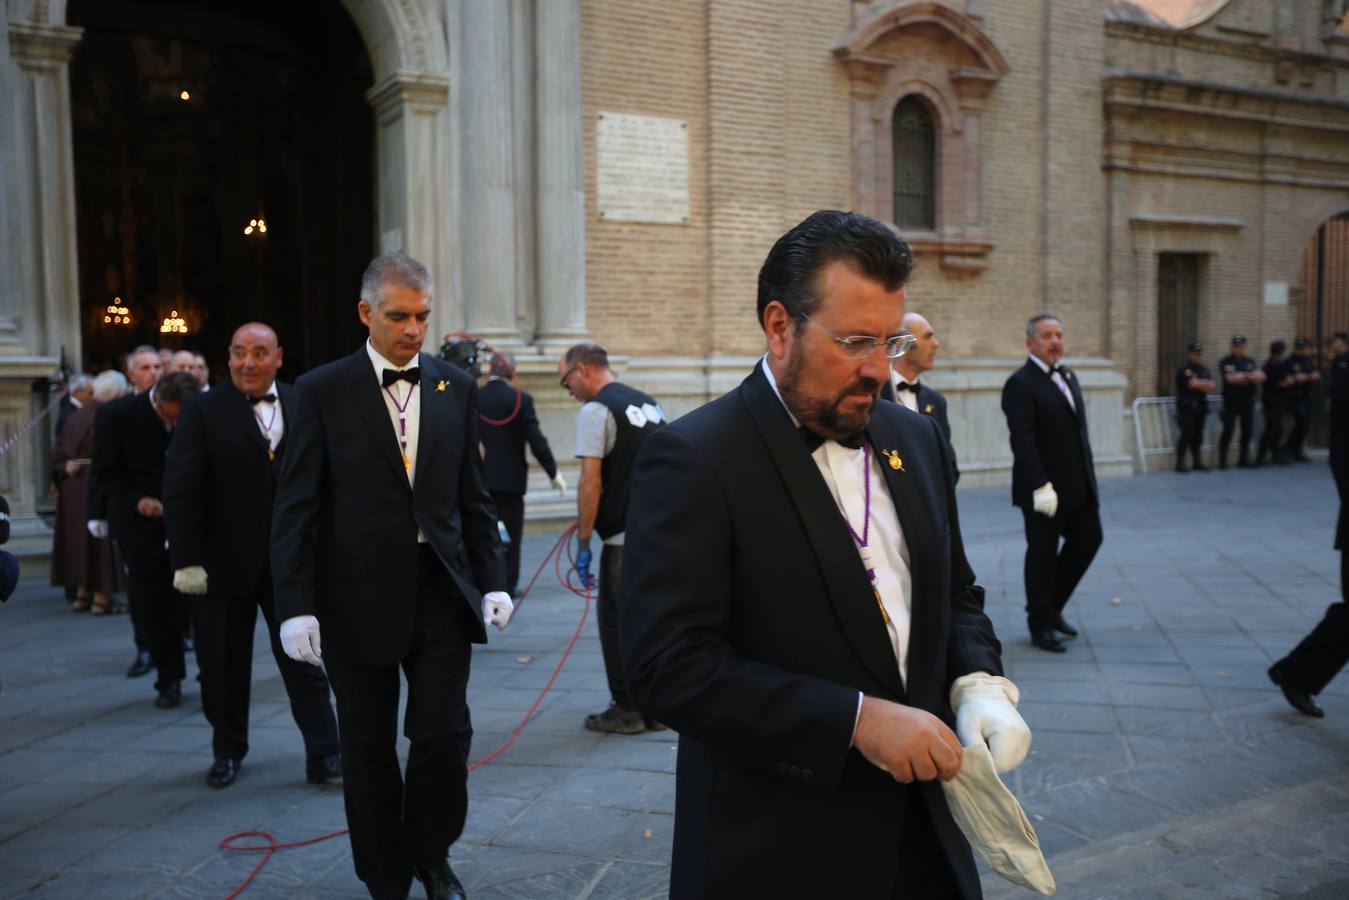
x=243, y=415
x=431, y=418
x=894, y=435
x=366, y=396
x=846, y=581
x=1068, y=380
x=285, y=397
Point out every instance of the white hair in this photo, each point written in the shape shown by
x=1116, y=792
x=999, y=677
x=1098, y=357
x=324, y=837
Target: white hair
x=397, y=269
x=78, y=382
x=109, y=385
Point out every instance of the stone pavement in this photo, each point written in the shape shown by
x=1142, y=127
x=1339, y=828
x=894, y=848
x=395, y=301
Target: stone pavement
x=1164, y=763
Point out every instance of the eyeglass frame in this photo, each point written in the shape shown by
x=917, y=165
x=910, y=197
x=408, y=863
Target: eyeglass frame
x=567, y=374
x=850, y=343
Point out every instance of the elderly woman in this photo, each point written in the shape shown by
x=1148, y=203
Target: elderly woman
x=89, y=564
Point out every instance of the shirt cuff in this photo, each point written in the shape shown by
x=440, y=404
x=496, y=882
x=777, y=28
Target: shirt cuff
x=857, y=717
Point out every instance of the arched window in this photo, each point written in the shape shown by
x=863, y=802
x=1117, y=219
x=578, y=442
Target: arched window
x=913, y=150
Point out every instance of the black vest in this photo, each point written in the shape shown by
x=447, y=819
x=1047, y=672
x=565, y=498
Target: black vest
x=636, y=415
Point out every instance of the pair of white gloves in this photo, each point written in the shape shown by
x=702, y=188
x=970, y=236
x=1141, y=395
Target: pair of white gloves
x=300, y=634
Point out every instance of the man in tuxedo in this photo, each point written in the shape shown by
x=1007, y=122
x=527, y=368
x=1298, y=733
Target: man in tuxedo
x=509, y=423
x=131, y=436
x=796, y=602
x=1053, y=480
x=382, y=481
x=219, y=483
x=904, y=387
x=143, y=368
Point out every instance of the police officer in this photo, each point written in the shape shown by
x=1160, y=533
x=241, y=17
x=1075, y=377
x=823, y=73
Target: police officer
x=1241, y=379
x=1304, y=373
x=1194, y=382
x=1276, y=391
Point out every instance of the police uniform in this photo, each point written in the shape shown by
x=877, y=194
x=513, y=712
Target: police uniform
x=1299, y=398
x=1238, y=404
x=1275, y=369
x=1191, y=411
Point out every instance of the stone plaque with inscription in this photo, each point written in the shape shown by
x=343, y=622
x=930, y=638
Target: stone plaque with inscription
x=642, y=168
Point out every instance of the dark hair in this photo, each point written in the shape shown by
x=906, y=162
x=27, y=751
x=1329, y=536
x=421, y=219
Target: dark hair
x=828, y=236
x=586, y=353
x=1034, y=322
x=176, y=387
x=1277, y=346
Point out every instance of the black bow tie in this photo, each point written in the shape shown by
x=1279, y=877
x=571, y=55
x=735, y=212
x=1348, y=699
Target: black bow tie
x=813, y=440
x=393, y=376
x=265, y=398
x=905, y=386
x=1056, y=368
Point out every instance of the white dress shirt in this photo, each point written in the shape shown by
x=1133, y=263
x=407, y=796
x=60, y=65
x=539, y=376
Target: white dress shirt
x=271, y=420
x=407, y=396
x=843, y=472
x=1057, y=378
x=908, y=398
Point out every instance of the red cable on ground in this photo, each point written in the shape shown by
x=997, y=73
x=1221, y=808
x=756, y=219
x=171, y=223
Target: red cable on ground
x=271, y=846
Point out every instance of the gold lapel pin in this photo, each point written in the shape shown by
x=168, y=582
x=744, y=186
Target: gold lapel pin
x=928, y=409
x=440, y=386
x=895, y=462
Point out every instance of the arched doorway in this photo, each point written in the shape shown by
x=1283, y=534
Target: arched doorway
x=192, y=119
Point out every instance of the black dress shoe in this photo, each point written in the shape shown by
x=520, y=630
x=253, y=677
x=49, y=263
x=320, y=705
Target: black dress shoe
x=1062, y=626
x=1299, y=700
x=440, y=882
x=223, y=772
x=141, y=665
x=1046, y=640
x=170, y=695
x=323, y=769
x=1201, y=468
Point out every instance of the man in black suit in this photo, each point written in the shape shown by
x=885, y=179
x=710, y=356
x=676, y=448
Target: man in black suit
x=1053, y=480
x=904, y=387
x=796, y=602
x=508, y=424
x=219, y=483
x=131, y=436
x=381, y=483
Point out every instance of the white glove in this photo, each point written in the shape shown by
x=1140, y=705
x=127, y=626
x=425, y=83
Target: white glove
x=985, y=707
x=497, y=609
x=190, y=580
x=97, y=528
x=1045, y=499
x=300, y=639
x=560, y=483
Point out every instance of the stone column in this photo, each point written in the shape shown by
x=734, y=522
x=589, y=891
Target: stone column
x=561, y=185
x=489, y=249
x=410, y=151
x=42, y=230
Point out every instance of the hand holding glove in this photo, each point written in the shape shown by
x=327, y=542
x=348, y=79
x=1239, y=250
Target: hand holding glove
x=985, y=707
x=300, y=639
x=1045, y=499
x=190, y=580
x=497, y=609
x=560, y=483
x=97, y=528
x=583, y=561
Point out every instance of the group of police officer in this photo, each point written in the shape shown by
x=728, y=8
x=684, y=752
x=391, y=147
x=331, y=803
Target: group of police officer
x=1287, y=383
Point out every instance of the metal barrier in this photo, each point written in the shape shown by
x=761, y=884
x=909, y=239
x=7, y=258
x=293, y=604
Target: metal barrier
x=1156, y=430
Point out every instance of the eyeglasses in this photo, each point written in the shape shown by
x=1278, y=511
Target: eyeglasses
x=860, y=346
x=567, y=374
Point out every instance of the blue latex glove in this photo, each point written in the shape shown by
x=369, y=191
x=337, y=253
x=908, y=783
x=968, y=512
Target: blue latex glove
x=583, y=560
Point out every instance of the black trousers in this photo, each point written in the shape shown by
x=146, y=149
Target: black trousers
x=1271, y=439
x=400, y=820
x=224, y=637
x=511, y=511
x=1322, y=654
x=924, y=870
x=1301, y=408
x=137, y=626
x=1052, y=573
x=1190, y=417
x=611, y=570
x=1233, y=412
x=160, y=613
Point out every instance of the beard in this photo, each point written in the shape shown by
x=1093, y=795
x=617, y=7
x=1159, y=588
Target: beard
x=825, y=415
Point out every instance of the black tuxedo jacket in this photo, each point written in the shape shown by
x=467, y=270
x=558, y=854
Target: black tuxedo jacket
x=128, y=463
x=1049, y=440
x=930, y=403
x=219, y=485
x=344, y=529
x=749, y=626
x=504, y=463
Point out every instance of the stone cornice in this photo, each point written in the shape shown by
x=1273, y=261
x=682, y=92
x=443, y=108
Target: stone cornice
x=1189, y=223
x=422, y=92
x=1208, y=44
x=42, y=46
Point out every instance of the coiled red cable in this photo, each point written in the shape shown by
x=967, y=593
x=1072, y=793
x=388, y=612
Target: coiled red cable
x=564, y=578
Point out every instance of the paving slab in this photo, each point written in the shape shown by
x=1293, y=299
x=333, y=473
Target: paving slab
x=1164, y=763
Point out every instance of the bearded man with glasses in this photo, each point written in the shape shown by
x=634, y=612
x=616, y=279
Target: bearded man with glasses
x=797, y=604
